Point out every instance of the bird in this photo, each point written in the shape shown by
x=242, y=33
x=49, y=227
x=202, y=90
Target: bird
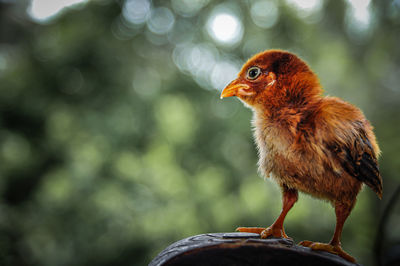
x=308, y=142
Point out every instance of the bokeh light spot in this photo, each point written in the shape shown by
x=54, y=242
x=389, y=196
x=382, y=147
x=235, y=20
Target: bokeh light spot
x=264, y=13
x=44, y=10
x=225, y=28
x=161, y=20
x=223, y=73
x=136, y=11
x=197, y=60
x=188, y=8
x=309, y=10
x=358, y=18
x=306, y=5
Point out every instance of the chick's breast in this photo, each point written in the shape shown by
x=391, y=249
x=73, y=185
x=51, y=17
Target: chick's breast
x=297, y=157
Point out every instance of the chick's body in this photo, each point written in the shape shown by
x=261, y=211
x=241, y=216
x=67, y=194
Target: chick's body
x=306, y=142
x=302, y=156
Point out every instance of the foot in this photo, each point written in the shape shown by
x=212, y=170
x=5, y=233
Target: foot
x=334, y=249
x=264, y=232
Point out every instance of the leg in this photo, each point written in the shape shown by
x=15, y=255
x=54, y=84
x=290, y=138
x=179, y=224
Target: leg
x=289, y=198
x=342, y=212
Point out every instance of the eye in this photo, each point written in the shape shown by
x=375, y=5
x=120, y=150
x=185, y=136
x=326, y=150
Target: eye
x=253, y=72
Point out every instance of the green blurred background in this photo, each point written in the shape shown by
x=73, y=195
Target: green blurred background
x=114, y=142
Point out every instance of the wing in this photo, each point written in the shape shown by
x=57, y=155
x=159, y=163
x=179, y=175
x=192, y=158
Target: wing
x=346, y=137
x=357, y=157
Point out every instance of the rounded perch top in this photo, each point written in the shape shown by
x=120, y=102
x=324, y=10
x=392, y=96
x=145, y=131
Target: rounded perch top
x=242, y=249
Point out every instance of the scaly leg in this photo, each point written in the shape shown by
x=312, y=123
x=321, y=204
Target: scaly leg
x=289, y=198
x=342, y=212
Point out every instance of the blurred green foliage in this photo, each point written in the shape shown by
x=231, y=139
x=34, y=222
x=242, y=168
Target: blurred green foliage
x=113, y=144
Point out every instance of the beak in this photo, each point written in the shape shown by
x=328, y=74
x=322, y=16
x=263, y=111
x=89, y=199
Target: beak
x=237, y=89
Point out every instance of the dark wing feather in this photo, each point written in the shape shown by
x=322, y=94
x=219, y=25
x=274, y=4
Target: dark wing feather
x=359, y=160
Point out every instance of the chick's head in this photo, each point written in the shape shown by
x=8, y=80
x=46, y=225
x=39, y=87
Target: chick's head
x=273, y=77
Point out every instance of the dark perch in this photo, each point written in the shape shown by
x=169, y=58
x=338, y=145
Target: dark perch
x=242, y=249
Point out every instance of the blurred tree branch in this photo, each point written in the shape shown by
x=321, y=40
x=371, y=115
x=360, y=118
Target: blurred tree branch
x=379, y=247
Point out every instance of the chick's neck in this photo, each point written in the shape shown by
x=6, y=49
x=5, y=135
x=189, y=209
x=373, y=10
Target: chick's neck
x=289, y=97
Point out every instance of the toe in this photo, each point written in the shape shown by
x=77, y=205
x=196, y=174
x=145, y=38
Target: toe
x=256, y=230
x=274, y=232
x=305, y=243
x=266, y=232
x=344, y=254
x=323, y=246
